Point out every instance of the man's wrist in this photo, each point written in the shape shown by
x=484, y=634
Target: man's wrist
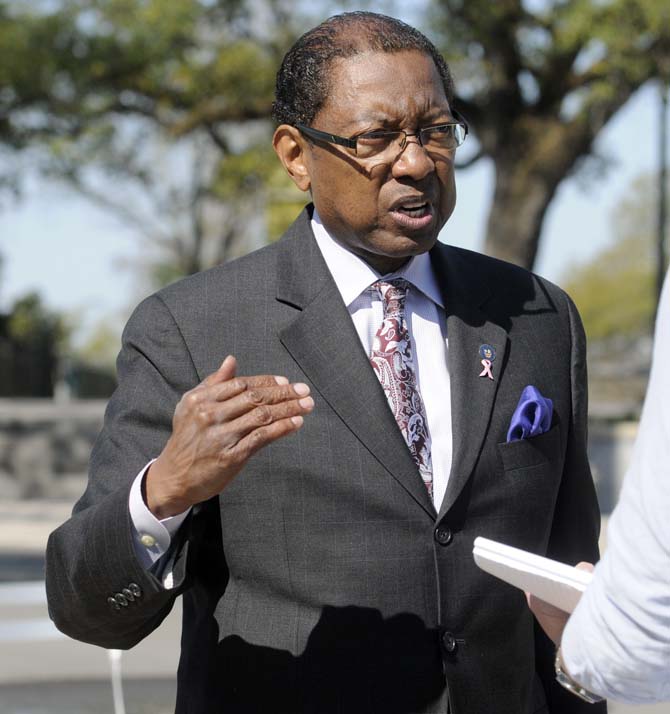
x=157, y=498
x=564, y=678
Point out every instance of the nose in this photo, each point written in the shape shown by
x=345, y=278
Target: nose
x=413, y=160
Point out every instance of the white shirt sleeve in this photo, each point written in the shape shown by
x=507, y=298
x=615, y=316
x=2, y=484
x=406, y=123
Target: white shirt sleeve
x=617, y=641
x=151, y=537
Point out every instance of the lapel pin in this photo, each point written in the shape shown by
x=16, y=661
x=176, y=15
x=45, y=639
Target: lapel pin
x=488, y=355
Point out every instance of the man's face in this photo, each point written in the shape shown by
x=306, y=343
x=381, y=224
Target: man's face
x=388, y=212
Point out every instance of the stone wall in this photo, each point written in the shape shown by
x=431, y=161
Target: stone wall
x=45, y=445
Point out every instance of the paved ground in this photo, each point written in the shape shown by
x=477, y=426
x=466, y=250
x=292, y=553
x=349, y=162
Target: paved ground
x=43, y=672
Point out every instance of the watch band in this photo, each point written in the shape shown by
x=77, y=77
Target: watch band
x=566, y=681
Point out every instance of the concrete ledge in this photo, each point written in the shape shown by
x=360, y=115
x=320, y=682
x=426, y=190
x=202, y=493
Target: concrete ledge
x=45, y=446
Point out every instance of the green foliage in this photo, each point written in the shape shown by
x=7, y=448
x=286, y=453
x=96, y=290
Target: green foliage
x=538, y=82
x=615, y=290
x=156, y=111
x=94, y=88
x=30, y=322
x=258, y=170
x=31, y=338
x=100, y=348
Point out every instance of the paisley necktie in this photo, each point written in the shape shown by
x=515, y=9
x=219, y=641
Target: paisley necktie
x=393, y=364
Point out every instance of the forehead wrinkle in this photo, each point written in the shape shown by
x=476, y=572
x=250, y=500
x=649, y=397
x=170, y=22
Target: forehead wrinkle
x=393, y=113
x=362, y=90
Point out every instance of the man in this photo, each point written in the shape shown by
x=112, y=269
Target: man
x=617, y=641
x=318, y=514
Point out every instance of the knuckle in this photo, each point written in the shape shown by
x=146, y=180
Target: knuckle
x=190, y=399
x=263, y=415
x=203, y=416
x=225, y=457
x=257, y=438
x=254, y=397
x=237, y=384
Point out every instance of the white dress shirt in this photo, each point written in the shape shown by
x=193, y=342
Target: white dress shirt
x=617, y=641
x=426, y=320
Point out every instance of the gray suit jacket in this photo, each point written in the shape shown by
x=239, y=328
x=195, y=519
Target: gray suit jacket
x=322, y=579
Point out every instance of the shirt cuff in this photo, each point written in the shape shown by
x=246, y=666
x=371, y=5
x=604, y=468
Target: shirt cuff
x=151, y=537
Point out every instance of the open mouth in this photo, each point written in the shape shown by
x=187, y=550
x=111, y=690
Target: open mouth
x=413, y=215
x=416, y=211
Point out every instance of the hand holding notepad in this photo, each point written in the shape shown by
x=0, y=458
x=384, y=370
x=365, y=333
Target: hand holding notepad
x=559, y=584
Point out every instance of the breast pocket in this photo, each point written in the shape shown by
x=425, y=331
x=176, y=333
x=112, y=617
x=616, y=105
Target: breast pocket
x=536, y=452
x=530, y=477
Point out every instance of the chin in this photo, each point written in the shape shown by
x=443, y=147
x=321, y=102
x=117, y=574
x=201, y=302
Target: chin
x=415, y=244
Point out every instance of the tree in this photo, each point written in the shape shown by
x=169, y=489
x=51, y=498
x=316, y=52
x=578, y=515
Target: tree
x=150, y=109
x=31, y=339
x=540, y=81
x=103, y=84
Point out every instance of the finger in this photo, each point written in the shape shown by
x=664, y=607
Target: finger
x=236, y=405
x=203, y=397
x=588, y=567
x=226, y=390
x=234, y=431
x=225, y=372
x=543, y=608
x=262, y=436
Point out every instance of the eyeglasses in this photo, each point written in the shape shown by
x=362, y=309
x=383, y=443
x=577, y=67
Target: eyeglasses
x=390, y=144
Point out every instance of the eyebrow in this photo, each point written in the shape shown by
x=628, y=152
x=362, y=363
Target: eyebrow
x=387, y=119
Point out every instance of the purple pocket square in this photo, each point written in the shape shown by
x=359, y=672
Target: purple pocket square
x=532, y=415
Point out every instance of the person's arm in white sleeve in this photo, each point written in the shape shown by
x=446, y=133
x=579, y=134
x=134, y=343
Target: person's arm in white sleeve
x=617, y=641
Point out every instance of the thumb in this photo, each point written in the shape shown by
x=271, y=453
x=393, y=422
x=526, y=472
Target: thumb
x=225, y=372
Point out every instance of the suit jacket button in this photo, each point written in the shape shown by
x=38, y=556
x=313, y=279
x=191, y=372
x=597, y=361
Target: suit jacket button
x=128, y=595
x=449, y=642
x=113, y=604
x=443, y=535
x=121, y=599
x=135, y=589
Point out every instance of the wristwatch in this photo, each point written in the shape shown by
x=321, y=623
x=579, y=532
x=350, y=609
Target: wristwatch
x=566, y=681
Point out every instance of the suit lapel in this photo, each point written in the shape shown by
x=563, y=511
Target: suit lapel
x=472, y=396
x=323, y=341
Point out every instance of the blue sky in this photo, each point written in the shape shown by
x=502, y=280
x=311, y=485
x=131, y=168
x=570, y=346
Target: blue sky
x=78, y=257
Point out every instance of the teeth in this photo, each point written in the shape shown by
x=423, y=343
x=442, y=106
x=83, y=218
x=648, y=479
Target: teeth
x=416, y=210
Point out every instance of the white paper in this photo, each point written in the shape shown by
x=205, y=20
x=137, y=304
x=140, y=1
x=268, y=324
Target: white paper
x=554, y=582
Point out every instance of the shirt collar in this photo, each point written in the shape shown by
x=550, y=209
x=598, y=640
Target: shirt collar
x=353, y=275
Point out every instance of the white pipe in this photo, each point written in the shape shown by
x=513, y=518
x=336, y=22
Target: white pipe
x=117, y=682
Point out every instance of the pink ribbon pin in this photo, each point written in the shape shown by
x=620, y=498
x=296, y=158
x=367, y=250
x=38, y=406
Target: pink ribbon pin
x=486, y=372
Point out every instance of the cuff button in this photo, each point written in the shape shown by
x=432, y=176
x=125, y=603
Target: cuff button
x=148, y=541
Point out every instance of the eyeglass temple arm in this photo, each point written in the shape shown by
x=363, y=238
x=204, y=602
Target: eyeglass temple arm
x=460, y=118
x=325, y=136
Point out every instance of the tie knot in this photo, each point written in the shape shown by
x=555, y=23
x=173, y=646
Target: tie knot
x=393, y=294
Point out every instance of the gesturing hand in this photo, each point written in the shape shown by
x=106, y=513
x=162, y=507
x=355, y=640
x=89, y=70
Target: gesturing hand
x=216, y=428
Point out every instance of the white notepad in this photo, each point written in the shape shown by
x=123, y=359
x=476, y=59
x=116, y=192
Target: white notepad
x=556, y=583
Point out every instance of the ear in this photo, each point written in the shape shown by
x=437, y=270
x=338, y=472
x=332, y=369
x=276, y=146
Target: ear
x=290, y=147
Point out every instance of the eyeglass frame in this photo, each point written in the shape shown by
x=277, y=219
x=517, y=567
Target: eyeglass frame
x=352, y=141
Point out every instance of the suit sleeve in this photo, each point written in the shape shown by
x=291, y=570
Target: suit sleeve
x=90, y=558
x=576, y=523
